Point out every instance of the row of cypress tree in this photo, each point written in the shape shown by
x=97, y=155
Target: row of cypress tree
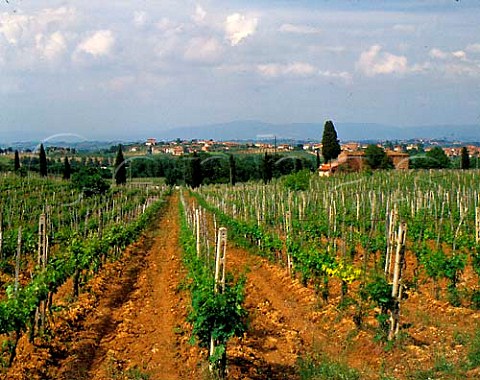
x=120, y=168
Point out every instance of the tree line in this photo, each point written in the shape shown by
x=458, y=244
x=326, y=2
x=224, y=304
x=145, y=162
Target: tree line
x=210, y=168
x=191, y=170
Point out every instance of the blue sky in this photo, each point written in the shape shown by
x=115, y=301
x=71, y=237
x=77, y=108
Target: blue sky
x=136, y=68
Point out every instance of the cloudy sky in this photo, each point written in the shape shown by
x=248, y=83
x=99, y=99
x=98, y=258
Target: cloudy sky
x=127, y=68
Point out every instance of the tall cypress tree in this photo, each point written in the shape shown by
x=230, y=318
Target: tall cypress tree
x=318, y=159
x=67, y=169
x=120, y=169
x=233, y=170
x=330, y=144
x=465, y=164
x=196, y=171
x=43, y=161
x=16, y=163
x=267, y=168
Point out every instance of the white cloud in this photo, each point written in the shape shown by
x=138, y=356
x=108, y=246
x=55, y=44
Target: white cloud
x=13, y=26
x=442, y=55
x=460, y=54
x=34, y=40
x=60, y=17
x=344, y=75
x=52, y=46
x=20, y=27
x=299, y=69
x=437, y=53
x=456, y=64
x=200, y=49
x=238, y=27
x=167, y=26
x=140, y=18
x=168, y=40
x=299, y=29
x=462, y=69
x=473, y=48
x=98, y=44
x=453, y=63
x=374, y=62
x=199, y=15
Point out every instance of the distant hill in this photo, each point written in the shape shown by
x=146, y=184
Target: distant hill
x=255, y=130
x=258, y=130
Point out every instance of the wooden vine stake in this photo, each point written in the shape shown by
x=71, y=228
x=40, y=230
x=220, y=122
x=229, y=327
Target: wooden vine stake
x=288, y=229
x=197, y=231
x=42, y=263
x=219, y=287
x=390, y=232
x=42, y=241
x=17, y=260
x=1, y=235
x=477, y=225
x=397, y=278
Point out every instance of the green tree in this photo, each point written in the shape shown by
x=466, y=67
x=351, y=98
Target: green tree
x=267, y=168
x=248, y=167
x=16, y=163
x=120, y=168
x=67, y=169
x=330, y=143
x=194, y=175
x=465, y=164
x=298, y=181
x=233, y=170
x=377, y=158
x=438, y=158
x=318, y=160
x=43, y=161
x=90, y=181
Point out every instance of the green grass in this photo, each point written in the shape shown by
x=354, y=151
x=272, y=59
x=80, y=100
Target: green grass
x=319, y=367
x=473, y=355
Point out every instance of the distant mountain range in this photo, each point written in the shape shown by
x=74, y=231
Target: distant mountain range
x=249, y=130
x=257, y=130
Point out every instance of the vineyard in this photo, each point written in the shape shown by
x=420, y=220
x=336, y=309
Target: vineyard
x=50, y=233
x=369, y=246
x=355, y=276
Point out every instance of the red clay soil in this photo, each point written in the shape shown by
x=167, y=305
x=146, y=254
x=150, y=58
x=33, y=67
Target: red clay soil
x=280, y=328
x=129, y=321
x=279, y=325
x=288, y=321
x=150, y=326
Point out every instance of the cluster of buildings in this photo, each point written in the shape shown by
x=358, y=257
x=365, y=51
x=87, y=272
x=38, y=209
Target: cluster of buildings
x=473, y=151
x=355, y=161
x=352, y=156
x=180, y=148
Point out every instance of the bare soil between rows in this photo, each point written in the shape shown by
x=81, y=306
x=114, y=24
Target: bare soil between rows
x=130, y=321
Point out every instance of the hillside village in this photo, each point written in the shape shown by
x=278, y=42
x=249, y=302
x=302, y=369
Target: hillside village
x=181, y=147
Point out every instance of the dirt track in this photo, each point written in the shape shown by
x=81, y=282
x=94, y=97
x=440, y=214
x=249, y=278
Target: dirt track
x=150, y=320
